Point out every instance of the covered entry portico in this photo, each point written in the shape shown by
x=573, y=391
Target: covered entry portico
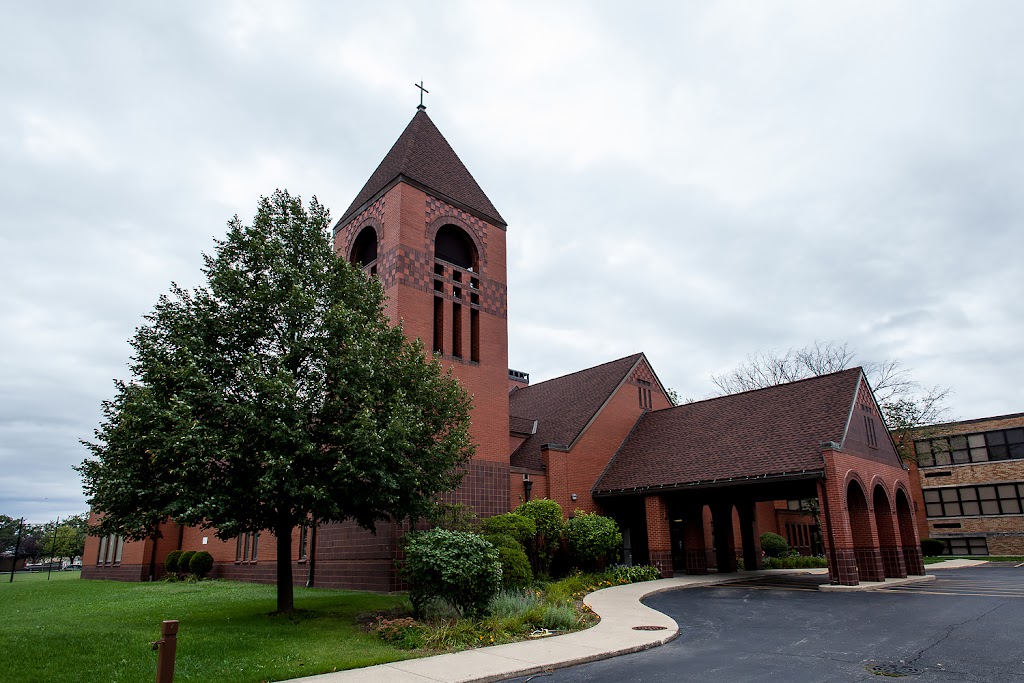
x=812, y=439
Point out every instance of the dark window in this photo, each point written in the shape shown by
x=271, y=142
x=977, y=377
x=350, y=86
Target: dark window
x=869, y=429
x=364, y=250
x=303, y=541
x=457, y=330
x=1000, y=444
x=453, y=245
x=965, y=546
x=246, y=547
x=474, y=335
x=438, y=325
x=644, y=393
x=970, y=501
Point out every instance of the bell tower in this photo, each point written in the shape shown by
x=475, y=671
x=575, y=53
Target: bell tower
x=425, y=228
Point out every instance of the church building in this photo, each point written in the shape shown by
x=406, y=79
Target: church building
x=691, y=486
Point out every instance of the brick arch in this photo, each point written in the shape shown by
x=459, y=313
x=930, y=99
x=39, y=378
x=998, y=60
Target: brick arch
x=865, y=544
x=888, y=540
x=345, y=252
x=878, y=482
x=911, y=546
x=467, y=227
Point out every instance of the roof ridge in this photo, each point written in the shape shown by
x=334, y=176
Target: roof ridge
x=774, y=386
x=570, y=374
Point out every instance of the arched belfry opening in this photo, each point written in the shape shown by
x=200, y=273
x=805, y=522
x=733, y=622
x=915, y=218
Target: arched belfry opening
x=456, y=275
x=453, y=245
x=364, y=249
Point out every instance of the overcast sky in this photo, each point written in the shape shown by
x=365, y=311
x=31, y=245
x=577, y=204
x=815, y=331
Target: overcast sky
x=696, y=181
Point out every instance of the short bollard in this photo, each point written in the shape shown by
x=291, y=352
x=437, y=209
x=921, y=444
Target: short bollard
x=166, y=648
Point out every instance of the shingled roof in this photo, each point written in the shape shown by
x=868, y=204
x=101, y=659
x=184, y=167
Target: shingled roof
x=563, y=406
x=765, y=432
x=422, y=155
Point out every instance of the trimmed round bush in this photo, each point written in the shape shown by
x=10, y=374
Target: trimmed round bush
x=930, y=547
x=515, y=565
x=774, y=545
x=183, y=561
x=171, y=562
x=593, y=539
x=519, y=527
x=456, y=566
x=201, y=564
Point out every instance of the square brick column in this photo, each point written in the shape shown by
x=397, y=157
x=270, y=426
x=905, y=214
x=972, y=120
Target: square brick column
x=659, y=538
x=725, y=547
x=748, y=533
x=838, y=539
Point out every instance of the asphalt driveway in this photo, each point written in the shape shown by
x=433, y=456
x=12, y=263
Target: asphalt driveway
x=966, y=626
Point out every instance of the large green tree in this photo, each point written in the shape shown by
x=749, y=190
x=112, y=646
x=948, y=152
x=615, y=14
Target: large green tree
x=276, y=393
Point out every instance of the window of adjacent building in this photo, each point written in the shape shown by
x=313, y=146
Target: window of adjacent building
x=1001, y=444
x=970, y=501
x=965, y=546
x=246, y=549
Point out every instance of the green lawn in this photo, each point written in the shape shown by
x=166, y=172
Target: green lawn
x=71, y=629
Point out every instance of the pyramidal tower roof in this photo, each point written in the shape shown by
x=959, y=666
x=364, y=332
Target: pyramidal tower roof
x=423, y=158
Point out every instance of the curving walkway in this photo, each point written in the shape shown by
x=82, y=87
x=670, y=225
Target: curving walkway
x=620, y=610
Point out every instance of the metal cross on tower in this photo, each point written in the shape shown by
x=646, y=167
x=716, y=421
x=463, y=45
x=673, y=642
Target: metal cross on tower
x=422, y=90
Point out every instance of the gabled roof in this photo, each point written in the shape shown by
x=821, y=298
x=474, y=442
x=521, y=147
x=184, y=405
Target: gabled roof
x=422, y=156
x=765, y=432
x=563, y=406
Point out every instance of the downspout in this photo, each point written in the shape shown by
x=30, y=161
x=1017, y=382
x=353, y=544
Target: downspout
x=311, y=576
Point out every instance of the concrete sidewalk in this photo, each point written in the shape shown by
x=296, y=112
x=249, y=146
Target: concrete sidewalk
x=621, y=613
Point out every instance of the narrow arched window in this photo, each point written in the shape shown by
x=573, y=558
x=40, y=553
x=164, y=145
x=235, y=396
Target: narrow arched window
x=364, y=250
x=453, y=245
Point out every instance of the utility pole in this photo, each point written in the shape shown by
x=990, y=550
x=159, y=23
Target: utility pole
x=17, y=547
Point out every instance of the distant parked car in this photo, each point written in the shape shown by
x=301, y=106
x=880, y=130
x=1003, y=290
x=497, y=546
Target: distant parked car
x=74, y=566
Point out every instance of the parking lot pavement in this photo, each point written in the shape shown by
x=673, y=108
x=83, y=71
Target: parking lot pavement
x=965, y=626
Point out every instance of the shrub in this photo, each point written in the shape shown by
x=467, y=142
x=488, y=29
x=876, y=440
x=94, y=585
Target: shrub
x=559, y=618
x=774, y=545
x=547, y=516
x=634, y=574
x=519, y=527
x=183, y=561
x=515, y=565
x=512, y=603
x=931, y=547
x=403, y=632
x=456, y=566
x=171, y=562
x=796, y=562
x=593, y=539
x=200, y=564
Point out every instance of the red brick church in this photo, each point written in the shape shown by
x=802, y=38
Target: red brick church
x=692, y=486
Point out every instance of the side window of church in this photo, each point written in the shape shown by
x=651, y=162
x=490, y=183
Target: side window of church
x=245, y=551
x=111, y=546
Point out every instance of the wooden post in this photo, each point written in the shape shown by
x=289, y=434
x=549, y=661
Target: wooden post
x=167, y=648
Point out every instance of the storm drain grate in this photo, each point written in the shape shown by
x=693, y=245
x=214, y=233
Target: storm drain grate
x=895, y=670
x=649, y=628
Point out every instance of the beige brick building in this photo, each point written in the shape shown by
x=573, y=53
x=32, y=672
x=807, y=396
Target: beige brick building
x=971, y=477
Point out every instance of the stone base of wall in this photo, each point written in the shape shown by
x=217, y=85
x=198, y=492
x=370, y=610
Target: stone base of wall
x=843, y=568
x=869, y=564
x=892, y=562
x=1006, y=545
x=119, y=572
x=696, y=562
x=662, y=559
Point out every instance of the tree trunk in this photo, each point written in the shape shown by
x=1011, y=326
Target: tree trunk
x=285, y=590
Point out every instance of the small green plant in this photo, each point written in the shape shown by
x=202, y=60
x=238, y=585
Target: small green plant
x=200, y=564
x=403, y=632
x=456, y=566
x=634, y=574
x=593, y=539
x=931, y=547
x=795, y=562
x=183, y=561
x=774, y=545
x=171, y=562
